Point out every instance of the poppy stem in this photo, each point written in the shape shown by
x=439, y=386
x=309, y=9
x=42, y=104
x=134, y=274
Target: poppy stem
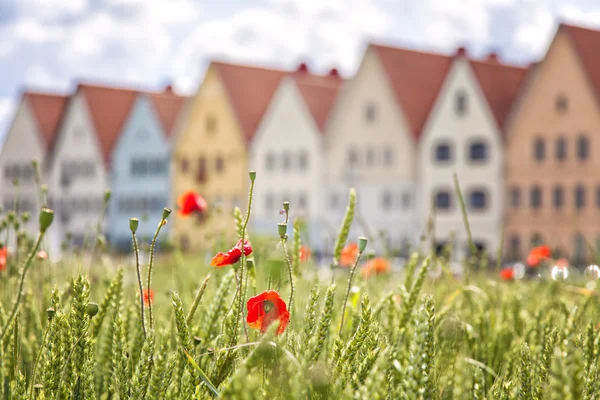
x=162, y=222
x=242, y=286
x=290, y=269
x=136, y=250
x=348, y=291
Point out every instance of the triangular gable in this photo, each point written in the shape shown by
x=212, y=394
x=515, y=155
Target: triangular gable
x=167, y=106
x=587, y=45
x=250, y=90
x=47, y=111
x=416, y=79
x=319, y=93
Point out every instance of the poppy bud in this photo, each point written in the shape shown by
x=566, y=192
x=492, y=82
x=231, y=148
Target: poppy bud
x=50, y=312
x=166, y=212
x=17, y=225
x=133, y=224
x=282, y=229
x=252, y=175
x=46, y=218
x=286, y=206
x=11, y=216
x=25, y=217
x=362, y=244
x=92, y=309
x=107, y=195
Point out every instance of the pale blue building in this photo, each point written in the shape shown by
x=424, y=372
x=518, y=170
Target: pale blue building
x=139, y=177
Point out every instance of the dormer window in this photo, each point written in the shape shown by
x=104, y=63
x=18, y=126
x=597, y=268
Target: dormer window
x=562, y=103
x=461, y=103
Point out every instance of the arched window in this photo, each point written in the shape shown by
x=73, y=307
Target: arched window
x=579, y=196
x=515, y=247
x=561, y=148
x=583, y=147
x=535, y=197
x=558, y=197
x=539, y=149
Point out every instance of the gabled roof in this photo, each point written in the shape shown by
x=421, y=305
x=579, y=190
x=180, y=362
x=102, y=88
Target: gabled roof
x=587, y=45
x=47, y=111
x=500, y=85
x=250, y=90
x=416, y=78
x=108, y=108
x=167, y=106
x=319, y=93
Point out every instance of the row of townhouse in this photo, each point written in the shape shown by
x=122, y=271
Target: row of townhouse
x=522, y=141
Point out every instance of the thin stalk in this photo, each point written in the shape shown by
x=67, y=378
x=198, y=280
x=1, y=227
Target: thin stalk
x=21, y=284
x=348, y=291
x=243, y=258
x=163, y=221
x=292, y=286
x=136, y=250
x=463, y=209
x=500, y=250
x=197, y=299
x=37, y=359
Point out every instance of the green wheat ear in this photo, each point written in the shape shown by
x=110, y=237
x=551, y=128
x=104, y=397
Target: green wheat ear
x=345, y=227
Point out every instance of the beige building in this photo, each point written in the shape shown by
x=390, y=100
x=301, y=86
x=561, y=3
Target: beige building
x=552, y=164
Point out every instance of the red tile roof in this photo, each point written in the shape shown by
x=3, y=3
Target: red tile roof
x=416, y=78
x=319, y=93
x=47, y=110
x=500, y=84
x=167, y=106
x=250, y=90
x=108, y=108
x=587, y=45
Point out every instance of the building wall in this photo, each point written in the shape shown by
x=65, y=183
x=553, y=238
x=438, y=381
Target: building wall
x=139, y=175
x=561, y=73
x=22, y=144
x=77, y=177
x=227, y=187
x=349, y=130
x=459, y=131
x=286, y=134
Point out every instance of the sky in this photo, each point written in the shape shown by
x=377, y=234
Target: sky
x=49, y=45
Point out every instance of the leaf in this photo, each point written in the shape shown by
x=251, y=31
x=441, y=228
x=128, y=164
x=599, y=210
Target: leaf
x=203, y=376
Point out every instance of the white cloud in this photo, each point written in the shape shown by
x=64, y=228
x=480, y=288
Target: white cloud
x=533, y=36
x=575, y=15
x=49, y=10
x=39, y=76
x=33, y=31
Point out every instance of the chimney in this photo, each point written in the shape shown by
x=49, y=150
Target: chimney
x=461, y=51
x=169, y=89
x=492, y=57
x=303, y=68
x=333, y=72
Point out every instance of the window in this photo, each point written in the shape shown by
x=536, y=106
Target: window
x=477, y=200
x=156, y=166
x=558, y=197
x=461, y=103
x=388, y=157
x=302, y=202
x=370, y=157
x=579, y=255
x=184, y=165
x=515, y=247
x=406, y=199
x=139, y=167
x=583, y=147
x=536, y=239
x=286, y=163
x=539, y=149
x=201, y=173
x=334, y=201
x=478, y=151
x=370, y=112
x=442, y=200
x=579, y=197
x=269, y=202
x=211, y=124
x=515, y=197
x=352, y=157
x=270, y=161
x=561, y=103
x=561, y=149
x=303, y=160
x=219, y=164
x=535, y=197
x=443, y=152
x=386, y=200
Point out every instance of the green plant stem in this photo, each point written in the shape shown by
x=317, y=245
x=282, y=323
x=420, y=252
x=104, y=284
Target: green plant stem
x=197, y=299
x=348, y=292
x=150, y=264
x=290, y=269
x=242, y=293
x=37, y=359
x=136, y=250
x=463, y=209
x=21, y=284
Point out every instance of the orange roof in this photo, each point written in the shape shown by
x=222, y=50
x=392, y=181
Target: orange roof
x=416, y=78
x=587, y=43
x=47, y=111
x=319, y=93
x=108, y=108
x=500, y=84
x=250, y=90
x=167, y=106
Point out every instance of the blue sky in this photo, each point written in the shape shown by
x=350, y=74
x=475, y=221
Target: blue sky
x=50, y=44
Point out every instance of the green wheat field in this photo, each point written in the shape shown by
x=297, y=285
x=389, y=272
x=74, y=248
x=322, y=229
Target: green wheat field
x=98, y=326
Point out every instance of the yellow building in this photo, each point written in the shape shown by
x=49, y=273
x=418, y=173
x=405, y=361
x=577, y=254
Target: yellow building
x=210, y=150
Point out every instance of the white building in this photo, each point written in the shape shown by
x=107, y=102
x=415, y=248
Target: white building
x=287, y=150
x=463, y=135
x=371, y=143
x=29, y=138
x=78, y=169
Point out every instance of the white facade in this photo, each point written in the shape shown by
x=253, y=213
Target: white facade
x=77, y=177
x=287, y=153
x=23, y=143
x=369, y=146
x=463, y=121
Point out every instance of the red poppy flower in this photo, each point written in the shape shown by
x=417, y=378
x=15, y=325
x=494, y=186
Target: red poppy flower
x=266, y=308
x=507, y=274
x=232, y=256
x=538, y=255
x=191, y=202
x=42, y=255
x=3, y=258
x=304, y=254
x=148, y=296
x=376, y=266
x=349, y=254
